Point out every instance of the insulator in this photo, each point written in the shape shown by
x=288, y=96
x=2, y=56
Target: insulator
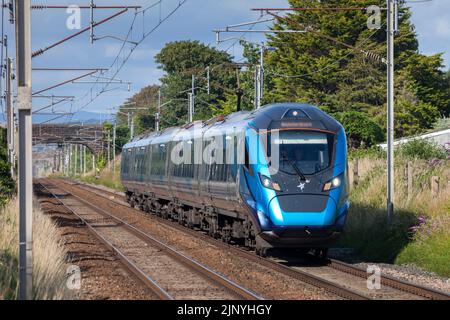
x=38, y=7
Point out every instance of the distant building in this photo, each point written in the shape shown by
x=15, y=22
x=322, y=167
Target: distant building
x=441, y=138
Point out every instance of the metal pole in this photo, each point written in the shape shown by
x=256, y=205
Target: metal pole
x=91, y=36
x=193, y=97
x=75, y=162
x=59, y=160
x=208, y=78
x=81, y=159
x=10, y=114
x=190, y=113
x=84, y=160
x=239, y=91
x=132, y=126
x=70, y=160
x=257, y=86
x=114, y=149
x=158, y=113
x=261, y=73
x=64, y=159
x=93, y=164
x=23, y=52
x=390, y=107
x=109, y=149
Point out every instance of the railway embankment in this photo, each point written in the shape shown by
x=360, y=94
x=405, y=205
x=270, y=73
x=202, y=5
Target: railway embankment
x=419, y=234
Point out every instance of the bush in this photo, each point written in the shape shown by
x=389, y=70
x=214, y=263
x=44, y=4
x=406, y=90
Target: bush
x=374, y=152
x=442, y=124
x=422, y=149
x=431, y=254
x=361, y=130
x=6, y=183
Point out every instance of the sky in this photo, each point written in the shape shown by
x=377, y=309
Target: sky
x=195, y=20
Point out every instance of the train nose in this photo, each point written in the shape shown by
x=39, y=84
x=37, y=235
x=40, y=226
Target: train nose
x=302, y=210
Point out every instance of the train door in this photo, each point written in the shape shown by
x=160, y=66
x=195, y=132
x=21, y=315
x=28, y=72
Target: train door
x=233, y=159
x=204, y=173
x=218, y=182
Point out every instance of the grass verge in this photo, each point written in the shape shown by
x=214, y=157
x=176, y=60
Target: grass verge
x=419, y=233
x=107, y=177
x=49, y=269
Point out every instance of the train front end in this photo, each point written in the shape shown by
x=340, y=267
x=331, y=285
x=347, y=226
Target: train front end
x=298, y=177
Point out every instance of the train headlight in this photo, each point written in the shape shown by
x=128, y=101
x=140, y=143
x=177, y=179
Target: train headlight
x=333, y=183
x=268, y=183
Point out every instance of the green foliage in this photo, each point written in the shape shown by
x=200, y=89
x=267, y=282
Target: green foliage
x=122, y=137
x=430, y=253
x=368, y=232
x=373, y=152
x=7, y=185
x=315, y=67
x=361, y=130
x=326, y=66
x=428, y=82
x=422, y=149
x=419, y=230
x=442, y=124
x=180, y=61
x=145, y=102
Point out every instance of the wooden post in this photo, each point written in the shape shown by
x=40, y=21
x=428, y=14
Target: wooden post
x=355, y=172
x=409, y=179
x=434, y=186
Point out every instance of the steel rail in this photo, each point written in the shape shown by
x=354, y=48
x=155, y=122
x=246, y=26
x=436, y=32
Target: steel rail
x=387, y=280
x=130, y=265
x=293, y=273
x=201, y=269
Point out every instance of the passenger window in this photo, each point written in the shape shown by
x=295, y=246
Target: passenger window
x=247, y=162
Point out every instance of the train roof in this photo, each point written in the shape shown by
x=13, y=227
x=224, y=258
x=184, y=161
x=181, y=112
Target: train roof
x=272, y=116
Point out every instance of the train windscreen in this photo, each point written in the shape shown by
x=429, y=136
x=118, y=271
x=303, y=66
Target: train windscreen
x=306, y=151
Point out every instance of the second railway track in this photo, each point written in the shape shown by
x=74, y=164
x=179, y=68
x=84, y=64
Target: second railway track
x=167, y=272
x=400, y=289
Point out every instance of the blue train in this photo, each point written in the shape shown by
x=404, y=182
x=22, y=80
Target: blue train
x=274, y=177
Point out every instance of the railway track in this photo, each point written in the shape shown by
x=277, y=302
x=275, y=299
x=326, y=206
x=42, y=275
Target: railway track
x=387, y=281
x=167, y=272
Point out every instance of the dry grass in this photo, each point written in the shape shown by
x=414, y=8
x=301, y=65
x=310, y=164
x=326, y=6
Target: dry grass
x=107, y=177
x=49, y=269
x=420, y=222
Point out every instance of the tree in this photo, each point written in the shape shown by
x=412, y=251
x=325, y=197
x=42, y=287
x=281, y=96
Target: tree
x=6, y=183
x=325, y=65
x=145, y=101
x=180, y=61
x=428, y=82
x=361, y=130
x=122, y=136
